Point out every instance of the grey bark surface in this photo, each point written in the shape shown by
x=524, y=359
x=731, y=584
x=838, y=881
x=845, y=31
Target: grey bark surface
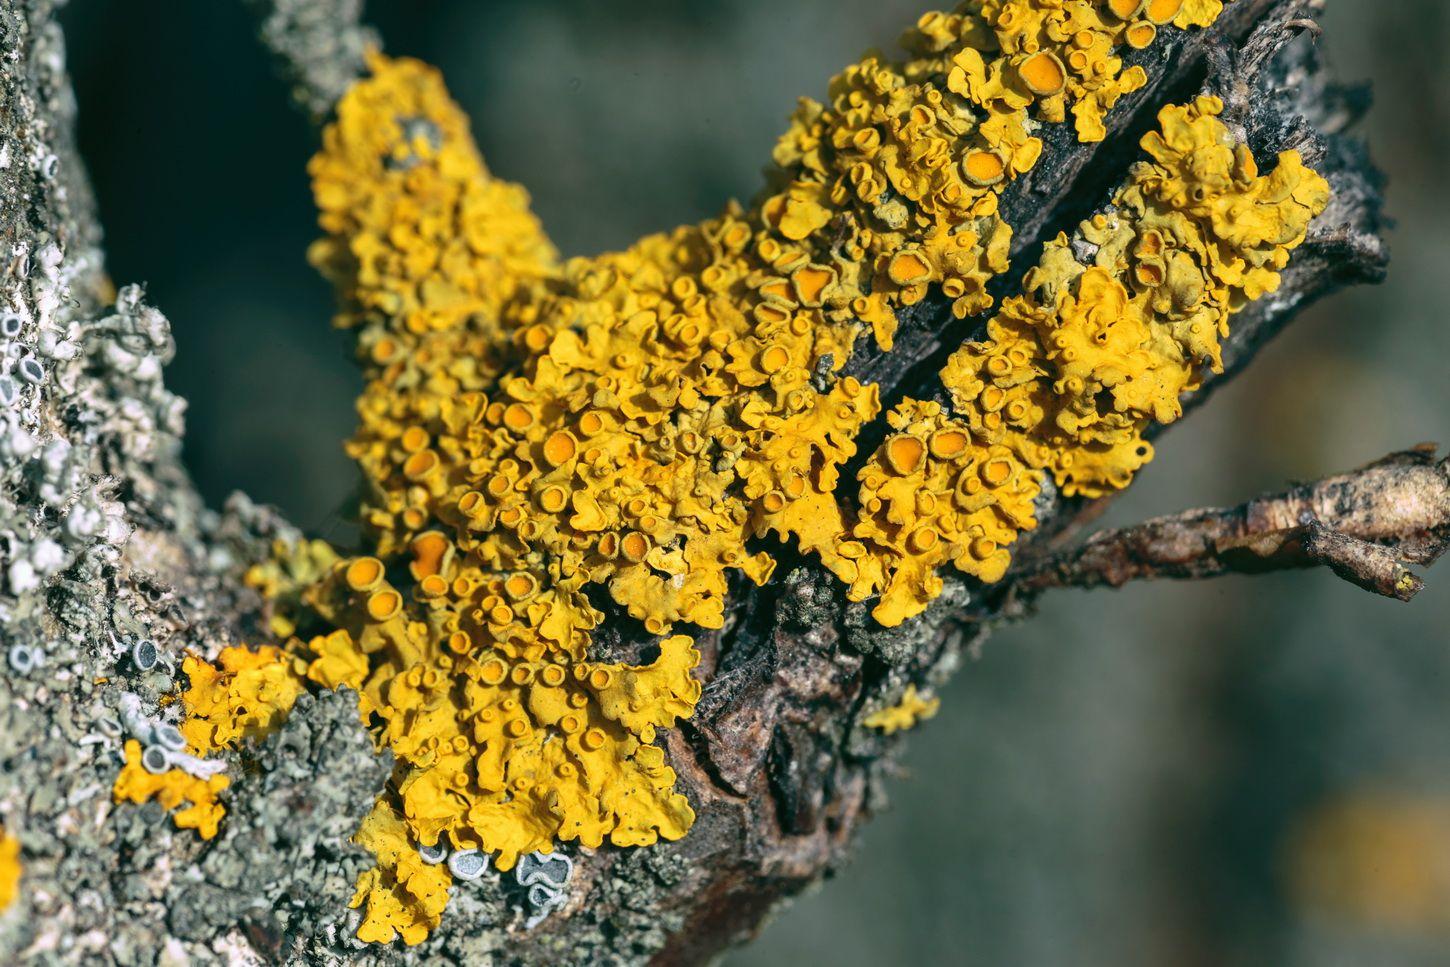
x=104, y=543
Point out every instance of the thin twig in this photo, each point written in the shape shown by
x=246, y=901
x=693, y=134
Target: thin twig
x=1367, y=526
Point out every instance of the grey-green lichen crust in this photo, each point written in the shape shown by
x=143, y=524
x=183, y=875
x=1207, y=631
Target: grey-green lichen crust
x=104, y=544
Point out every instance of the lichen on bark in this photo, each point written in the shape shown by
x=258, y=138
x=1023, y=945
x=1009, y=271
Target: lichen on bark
x=105, y=544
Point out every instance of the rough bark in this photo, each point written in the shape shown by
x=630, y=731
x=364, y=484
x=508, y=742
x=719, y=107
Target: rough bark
x=104, y=543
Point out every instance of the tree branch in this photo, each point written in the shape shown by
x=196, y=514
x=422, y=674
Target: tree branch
x=777, y=760
x=1367, y=526
x=777, y=757
x=319, y=47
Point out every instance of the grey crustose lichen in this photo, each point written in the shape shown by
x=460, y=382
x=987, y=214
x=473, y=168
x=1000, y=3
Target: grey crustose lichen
x=110, y=569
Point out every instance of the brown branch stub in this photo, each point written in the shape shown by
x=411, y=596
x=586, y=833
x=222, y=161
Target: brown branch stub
x=1371, y=566
x=1367, y=526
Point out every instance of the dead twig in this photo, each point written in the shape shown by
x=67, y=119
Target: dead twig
x=1368, y=526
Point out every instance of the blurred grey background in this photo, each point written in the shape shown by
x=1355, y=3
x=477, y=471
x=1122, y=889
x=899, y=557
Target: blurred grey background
x=1236, y=772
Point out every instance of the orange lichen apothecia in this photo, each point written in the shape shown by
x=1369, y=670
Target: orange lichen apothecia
x=1072, y=374
x=533, y=427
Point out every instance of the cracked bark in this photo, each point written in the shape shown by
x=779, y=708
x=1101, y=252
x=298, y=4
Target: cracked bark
x=776, y=762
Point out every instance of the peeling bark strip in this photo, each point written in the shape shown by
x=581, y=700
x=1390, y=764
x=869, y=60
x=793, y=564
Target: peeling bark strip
x=112, y=569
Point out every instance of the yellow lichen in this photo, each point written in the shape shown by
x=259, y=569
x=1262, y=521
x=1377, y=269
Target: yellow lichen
x=9, y=869
x=417, y=232
x=246, y=694
x=905, y=714
x=1112, y=342
x=405, y=896
x=1053, y=56
x=281, y=579
x=958, y=501
x=507, y=738
x=1071, y=375
x=172, y=788
x=633, y=419
x=531, y=428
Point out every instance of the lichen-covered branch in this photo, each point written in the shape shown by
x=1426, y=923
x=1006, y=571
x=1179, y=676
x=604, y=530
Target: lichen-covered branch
x=1368, y=526
x=571, y=635
x=771, y=749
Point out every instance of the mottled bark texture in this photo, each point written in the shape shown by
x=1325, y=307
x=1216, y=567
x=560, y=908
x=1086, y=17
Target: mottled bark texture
x=104, y=542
